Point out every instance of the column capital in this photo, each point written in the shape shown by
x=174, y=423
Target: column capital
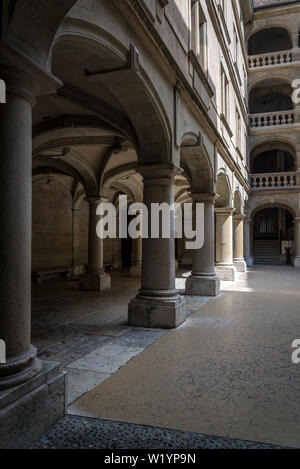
x=204, y=197
x=18, y=83
x=239, y=217
x=297, y=220
x=248, y=221
x=161, y=173
x=224, y=210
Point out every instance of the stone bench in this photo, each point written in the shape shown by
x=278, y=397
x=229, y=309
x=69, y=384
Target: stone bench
x=45, y=274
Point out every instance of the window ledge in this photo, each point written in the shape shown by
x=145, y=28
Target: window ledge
x=226, y=125
x=203, y=76
x=221, y=13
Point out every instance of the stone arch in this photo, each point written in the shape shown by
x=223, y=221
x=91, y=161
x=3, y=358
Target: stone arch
x=75, y=166
x=275, y=39
x=274, y=138
x=255, y=83
x=269, y=147
x=114, y=176
x=32, y=26
x=127, y=81
x=197, y=165
x=270, y=96
x=224, y=192
x=238, y=203
x=274, y=203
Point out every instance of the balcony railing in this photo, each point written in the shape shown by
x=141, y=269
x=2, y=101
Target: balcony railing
x=270, y=119
x=273, y=180
x=271, y=58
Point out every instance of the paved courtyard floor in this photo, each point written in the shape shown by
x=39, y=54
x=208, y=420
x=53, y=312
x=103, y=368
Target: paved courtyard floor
x=227, y=372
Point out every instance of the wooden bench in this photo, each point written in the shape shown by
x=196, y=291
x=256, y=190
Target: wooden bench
x=46, y=274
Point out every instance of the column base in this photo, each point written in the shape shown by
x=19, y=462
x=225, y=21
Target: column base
x=29, y=410
x=227, y=273
x=157, y=312
x=94, y=282
x=240, y=265
x=202, y=286
x=19, y=370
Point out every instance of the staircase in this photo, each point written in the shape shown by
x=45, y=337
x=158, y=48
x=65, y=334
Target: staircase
x=266, y=252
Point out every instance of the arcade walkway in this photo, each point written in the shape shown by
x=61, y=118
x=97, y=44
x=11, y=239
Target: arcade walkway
x=226, y=372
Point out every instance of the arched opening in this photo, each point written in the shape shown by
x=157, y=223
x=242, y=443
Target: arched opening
x=273, y=236
x=238, y=204
x=223, y=192
x=197, y=178
x=270, y=96
x=272, y=161
x=269, y=40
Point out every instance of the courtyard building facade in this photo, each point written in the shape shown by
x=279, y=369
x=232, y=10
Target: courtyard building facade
x=163, y=101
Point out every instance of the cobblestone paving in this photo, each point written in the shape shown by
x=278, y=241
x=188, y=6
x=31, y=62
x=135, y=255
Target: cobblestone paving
x=82, y=433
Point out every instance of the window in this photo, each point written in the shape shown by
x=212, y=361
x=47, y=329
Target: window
x=235, y=46
x=225, y=94
x=238, y=129
x=224, y=8
x=199, y=34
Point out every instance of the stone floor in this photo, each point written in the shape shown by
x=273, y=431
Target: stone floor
x=87, y=332
x=226, y=372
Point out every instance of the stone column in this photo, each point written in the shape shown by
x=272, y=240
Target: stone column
x=158, y=303
x=248, y=227
x=297, y=243
x=136, y=269
x=15, y=233
x=225, y=268
x=95, y=279
x=238, y=243
x=203, y=280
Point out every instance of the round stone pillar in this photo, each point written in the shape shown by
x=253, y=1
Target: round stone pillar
x=15, y=233
x=225, y=268
x=238, y=243
x=248, y=226
x=203, y=280
x=95, y=279
x=136, y=269
x=297, y=243
x=158, y=303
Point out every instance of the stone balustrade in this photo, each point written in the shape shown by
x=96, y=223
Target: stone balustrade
x=269, y=59
x=273, y=180
x=269, y=119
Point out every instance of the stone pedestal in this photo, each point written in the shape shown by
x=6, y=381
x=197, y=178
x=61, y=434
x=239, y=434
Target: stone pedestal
x=203, y=280
x=158, y=303
x=95, y=279
x=225, y=268
x=29, y=410
x=238, y=243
